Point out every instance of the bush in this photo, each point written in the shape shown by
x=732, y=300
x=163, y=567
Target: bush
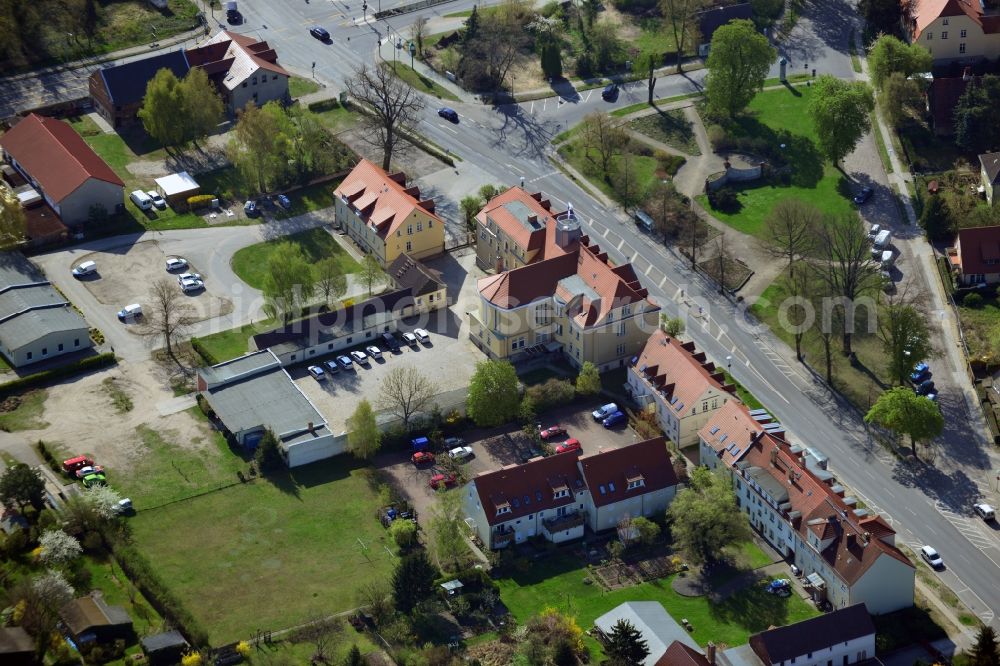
x=724, y=199
x=552, y=393
x=404, y=532
x=48, y=457
x=200, y=201
x=49, y=376
x=717, y=136
x=207, y=356
x=972, y=300
x=324, y=105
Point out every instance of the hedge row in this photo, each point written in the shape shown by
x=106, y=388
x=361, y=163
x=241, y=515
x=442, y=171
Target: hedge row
x=49, y=459
x=138, y=569
x=200, y=200
x=206, y=355
x=49, y=376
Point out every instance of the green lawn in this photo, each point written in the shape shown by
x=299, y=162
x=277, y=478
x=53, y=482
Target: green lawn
x=626, y=110
x=250, y=263
x=420, y=82
x=334, y=117
x=28, y=415
x=270, y=553
x=780, y=117
x=558, y=582
x=118, y=590
x=669, y=127
x=883, y=154
x=226, y=345
x=644, y=174
x=297, y=86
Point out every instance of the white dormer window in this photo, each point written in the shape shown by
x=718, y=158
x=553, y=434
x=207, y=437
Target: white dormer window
x=503, y=509
x=560, y=493
x=626, y=309
x=637, y=483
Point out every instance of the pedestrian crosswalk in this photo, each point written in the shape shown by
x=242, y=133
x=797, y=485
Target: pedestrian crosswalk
x=969, y=527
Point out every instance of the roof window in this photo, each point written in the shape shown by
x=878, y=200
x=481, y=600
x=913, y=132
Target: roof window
x=714, y=430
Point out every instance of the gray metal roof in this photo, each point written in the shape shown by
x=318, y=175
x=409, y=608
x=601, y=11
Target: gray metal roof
x=523, y=214
x=168, y=639
x=30, y=326
x=30, y=307
x=658, y=629
x=267, y=398
x=244, y=366
x=575, y=285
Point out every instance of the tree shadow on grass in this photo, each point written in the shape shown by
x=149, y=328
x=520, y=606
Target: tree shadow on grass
x=781, y=147
x=753, y=609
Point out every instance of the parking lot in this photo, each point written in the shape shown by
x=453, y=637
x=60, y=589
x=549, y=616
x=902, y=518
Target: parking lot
x=124, y=275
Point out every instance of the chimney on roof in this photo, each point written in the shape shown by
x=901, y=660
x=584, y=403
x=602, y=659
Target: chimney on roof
x=710, y=653
x=850, y=540
x=774, y=457
x=865, y=538
x=311, y=427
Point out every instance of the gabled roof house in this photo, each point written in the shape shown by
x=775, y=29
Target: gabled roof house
x=955, y=30
x=242, y=68
x=118, y=90
x=976, y=258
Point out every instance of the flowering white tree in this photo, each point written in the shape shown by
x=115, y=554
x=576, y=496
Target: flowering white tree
x=52, y=589
x=103, y=500
x=58, y=547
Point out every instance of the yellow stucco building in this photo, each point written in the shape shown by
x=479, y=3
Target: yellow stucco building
x=955, y=30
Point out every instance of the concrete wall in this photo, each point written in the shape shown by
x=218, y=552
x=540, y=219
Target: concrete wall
x=261, y=87
x=732, y=175
x=75, y=208
x=886, y=587
x=327, y=446
x=647, y=504
x=47, y=347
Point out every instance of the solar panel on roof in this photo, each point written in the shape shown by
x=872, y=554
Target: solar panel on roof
x=755, y=412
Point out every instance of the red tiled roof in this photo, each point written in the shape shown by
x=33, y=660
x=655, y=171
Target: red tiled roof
x=382, y=198
x=528, y=488
x=925, y=12
x=502, y=213
x=849, y=553
x=678, y=370
x=523, y=285
x=979, y=250
x=612, y=470
x=679, y=654
x=942, y=96
x=731, y=425
x=55, y=156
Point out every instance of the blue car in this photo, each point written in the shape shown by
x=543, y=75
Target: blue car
x=283, y=201
x=448, y=114
x=926, y=387
x=920, y=367
x=920, y=376
x=614, y=420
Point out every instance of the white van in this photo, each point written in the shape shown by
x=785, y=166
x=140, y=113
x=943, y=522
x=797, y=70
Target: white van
x=142, y=200
x=886, y=259
x=86, y=268
x=985, y=511
x=130, y=312
x=881, y=241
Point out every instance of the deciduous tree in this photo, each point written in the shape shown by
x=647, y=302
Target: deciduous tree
x=906, y=413
x=625, y=645
x=840, y=110
x=883, y=15
x=405, y=392
x=680, y=16
x=588, y=382
x=252, y=148
x=330, y=281
x=160, y=109
x=363, y=435
x=704, y=517
x=58, y=548
x=790, y=230
x=899, y=96
x=647, y=531
x=603, y=138
x=905, y=336
x=289, y=283
x=413, y=581
x=403, y=532
x=447, y=529
x=738, y=62
x=168, y=317
x=22, y=485
x=12, y=220
x=394, y=106
x=470, y=205
x=494, y=397
x=201, y=109
x=889, y=55
x=371, y=274
x=672, y=326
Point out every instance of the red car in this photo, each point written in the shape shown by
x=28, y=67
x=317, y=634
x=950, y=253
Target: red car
x=568, y=445
x=85, y=471
x=76, y=463
x=422, y=457
x=553, y=431
x=448, y=480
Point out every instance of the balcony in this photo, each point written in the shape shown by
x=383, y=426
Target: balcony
x=565, y=522
x=501, y=539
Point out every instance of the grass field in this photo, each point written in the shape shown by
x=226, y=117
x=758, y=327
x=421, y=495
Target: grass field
x=268, y=554
x=226, y=345
x=669, y=127
x=644, y=167
x=558, y=583
x=420, y=82
x=626, y=110
x=780, y=117
x=298, y=86
x=250, y=263
x=28, y=415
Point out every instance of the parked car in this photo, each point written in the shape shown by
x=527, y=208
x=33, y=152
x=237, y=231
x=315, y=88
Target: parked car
x=188, y=286
x=124, y=506
x=614, y=419
x=781, y=587
x=374, y=352
x=130, y=312
x=283, y=201
x=422, y=335
x=345, y=362
x=250, y=208
x=158, y=201
x=568, y=446
x=319, y=33
x=422, y=458
x=531, y=453
x=390, y=341
x=420, y=443
x=176, y=264
x=85, y=269
x=359, y=357
x=925, y=387
x=187, y=276
x=873, y=232
x=452, y=442
x=460, y=453
x=332, y=366
x=88, y=470
x=610, y=92
x=864, y=195
x=94, y=480
x=552, y=431
x=931, y=557
x=317, y=372
x=604, y=412
x=448, y=480
x=985, y=511
x=73, y=464
x=410, y=339
x=141, y=200
x=448, y=114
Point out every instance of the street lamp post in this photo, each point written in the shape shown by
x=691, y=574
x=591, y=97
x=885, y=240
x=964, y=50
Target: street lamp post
x=729, y=362
x=413, y=51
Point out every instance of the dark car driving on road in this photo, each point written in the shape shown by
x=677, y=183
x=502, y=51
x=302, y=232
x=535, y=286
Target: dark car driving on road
x=448, y=114
x=319, y=33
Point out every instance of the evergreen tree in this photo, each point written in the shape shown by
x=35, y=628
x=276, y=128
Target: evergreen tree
x=354, y=657
x=413, y=581
x=985, y=652
x=626, y=646
x=471, y=25
x=936, y=219
x=268, y=454
x=551, y=60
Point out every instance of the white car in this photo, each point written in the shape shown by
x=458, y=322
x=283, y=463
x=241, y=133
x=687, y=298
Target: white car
x=317, y=373
x=359, y=357
x=985, y=511
x=176, y=264
x=931, y=557
x=460, y=452
x=410, y=339
x=158, y=201
x=192, y=285
x=374, y=352
x=422, y=335
x=84, y=269
x=187, y=276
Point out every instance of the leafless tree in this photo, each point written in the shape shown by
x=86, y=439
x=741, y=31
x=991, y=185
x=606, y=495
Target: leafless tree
x=680, y=15
x=405, y=391
x=419, y=31
x=374, y=596
x=168, y=316
x=604, y=136
x=723, y=257
x=322, y=632
x=692, y=232
x=799, y=287
x=12, y=220
x=625, y=532
x=848, y=269
x=790, y=230
x=498, y=41
x=330, y=280
x=391, y=106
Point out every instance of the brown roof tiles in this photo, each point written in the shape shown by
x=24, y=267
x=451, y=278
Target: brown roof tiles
x=979, y=250
x=528, y=488
x=677, y=370
x=382, y=198
x=607, y=473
